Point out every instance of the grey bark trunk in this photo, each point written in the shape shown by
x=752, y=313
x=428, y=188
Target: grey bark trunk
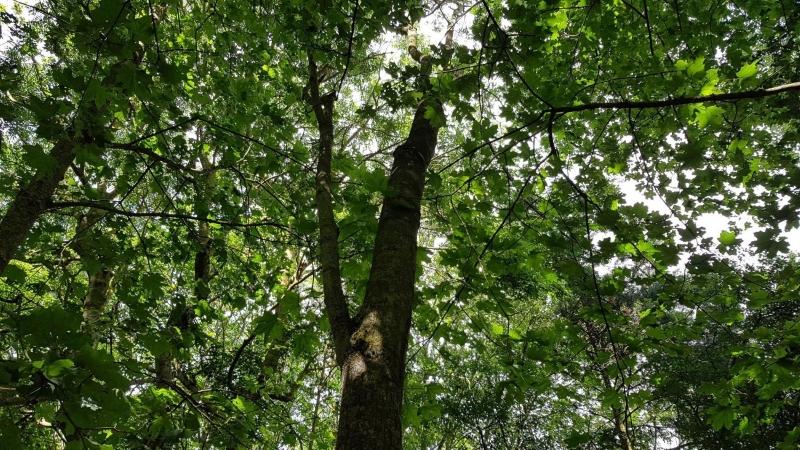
x=335, y=301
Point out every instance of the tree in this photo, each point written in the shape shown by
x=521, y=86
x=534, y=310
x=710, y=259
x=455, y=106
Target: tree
x=286, y=192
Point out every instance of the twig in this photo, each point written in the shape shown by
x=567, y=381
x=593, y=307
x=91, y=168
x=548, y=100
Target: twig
x=349, y=47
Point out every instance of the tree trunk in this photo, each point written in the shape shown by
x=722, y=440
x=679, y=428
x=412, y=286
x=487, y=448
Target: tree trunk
x=32, y=200
x=625, y=441
x=182, y=315
x=594, y=335
x=85, y=245
x=373, y=372
x=371, y=348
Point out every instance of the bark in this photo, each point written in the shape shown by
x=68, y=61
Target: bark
x=97, y=298
x=32, y=200
x=202, y=262
x=373, y=373
x=99, y=287
x=182, y=315
x=371, y=350
x=594, y=335
x=333, y=296
x=621, y=430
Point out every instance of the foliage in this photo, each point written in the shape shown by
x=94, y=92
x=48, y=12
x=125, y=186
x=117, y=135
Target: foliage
x=554, y=307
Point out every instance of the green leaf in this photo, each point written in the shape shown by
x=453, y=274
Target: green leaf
x=9, y=434
x=429, y=412
x=712, y=79
x=497, y=329
x=575, y=439
x=410, y=416
x=269, y=70
x=709, y=115
x=747, y=71
x=38, y=160
x=56, y=368
x=156, y=344
x=655, y=333
x=770, y=242
x=558, y=21
x=15, y=274
x=290, y=304
x=696, y=67
x=721, y=417
x=170, y=73
x=434, y=116
x=727, y=238
x=681, y=64
x=102, y=366
x=108, y=11
x=239, y=404
x=153, y=282
x=43, y=326
x=265, y=323
x=97, y=93
x=46, y=411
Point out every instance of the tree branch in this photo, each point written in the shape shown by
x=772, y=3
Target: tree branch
x=349, y=47
x=678, y=101
x=175, y=126
x=333, y=295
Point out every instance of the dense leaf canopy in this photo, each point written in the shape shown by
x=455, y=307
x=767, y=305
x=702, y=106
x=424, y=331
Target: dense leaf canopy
x=191, y=188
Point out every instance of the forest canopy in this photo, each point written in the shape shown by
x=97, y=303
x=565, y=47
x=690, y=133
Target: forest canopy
x=362, y=224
